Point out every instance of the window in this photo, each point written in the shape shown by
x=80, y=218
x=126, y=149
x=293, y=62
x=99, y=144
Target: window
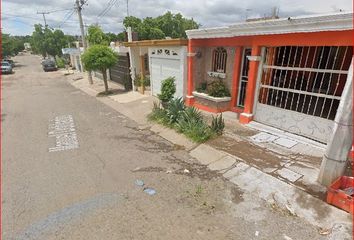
x=219, y=60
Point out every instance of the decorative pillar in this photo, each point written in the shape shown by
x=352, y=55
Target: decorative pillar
x=236, y=76
x=247, y=115
x=190, y=85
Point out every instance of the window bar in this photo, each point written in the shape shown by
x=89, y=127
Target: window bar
x=315, y=79
x=218, y=60
x=271, y=92
x=285, y=76
x=339, y=75
x=213, y=61
x=291, y=76
x=224, y=62
x=302, y=78
x=330, y=80
x=308, y=80
x=276, y=94
x=270, y=60
x=322, y=79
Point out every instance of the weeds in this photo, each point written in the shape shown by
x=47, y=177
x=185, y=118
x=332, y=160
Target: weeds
x=218, y=124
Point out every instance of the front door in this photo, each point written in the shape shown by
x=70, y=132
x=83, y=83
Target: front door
x=242, y=88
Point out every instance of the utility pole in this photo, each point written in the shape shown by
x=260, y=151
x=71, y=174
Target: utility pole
x=83, y=38
x=128, y=8
x=45, y=21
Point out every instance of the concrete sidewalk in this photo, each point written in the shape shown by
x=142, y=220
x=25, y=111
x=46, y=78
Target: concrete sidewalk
x=262, y=162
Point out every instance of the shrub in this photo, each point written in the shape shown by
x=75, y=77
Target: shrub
x=218, y=89
x=197, y=131
x=191, y=113
x=218, y=124
x=60, y=62
x=168, y=89
x=192, y=125
x=202, y=87
x=174, y=109
x=147, y=81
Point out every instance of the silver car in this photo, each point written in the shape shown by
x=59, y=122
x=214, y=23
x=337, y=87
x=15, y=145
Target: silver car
x=6, y=67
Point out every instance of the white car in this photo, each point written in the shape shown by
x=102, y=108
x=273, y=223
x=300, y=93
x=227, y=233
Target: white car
x=6, y=67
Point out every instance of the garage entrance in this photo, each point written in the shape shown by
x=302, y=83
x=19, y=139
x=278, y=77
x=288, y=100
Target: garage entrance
x=164, y=63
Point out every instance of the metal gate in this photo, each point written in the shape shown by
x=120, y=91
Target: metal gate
x=120, y=72
x=301, y=87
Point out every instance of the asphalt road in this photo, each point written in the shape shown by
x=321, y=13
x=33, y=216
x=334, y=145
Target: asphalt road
x=69, y=166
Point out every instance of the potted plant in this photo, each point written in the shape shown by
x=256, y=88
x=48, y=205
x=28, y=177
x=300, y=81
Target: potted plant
x=168, y=89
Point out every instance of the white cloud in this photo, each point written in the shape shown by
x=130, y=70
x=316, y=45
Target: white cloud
x=18, y=16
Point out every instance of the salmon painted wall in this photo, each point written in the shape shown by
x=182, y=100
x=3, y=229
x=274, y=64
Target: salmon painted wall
x=326, y=38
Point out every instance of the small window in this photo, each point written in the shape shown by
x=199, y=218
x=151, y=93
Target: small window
x=219, y=60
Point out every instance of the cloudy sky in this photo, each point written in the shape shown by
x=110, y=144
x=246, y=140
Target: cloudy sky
x=18, y=16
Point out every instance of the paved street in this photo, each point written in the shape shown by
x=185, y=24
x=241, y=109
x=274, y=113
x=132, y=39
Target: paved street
x=70, y=164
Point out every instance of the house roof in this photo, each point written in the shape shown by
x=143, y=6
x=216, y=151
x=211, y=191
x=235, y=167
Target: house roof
x=160, y=42
x=314, y=23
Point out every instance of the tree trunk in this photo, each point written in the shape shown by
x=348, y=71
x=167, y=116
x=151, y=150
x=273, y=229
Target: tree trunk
x=104, y=73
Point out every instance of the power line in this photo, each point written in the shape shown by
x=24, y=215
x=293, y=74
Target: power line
x=110, y=4
x=68, y=16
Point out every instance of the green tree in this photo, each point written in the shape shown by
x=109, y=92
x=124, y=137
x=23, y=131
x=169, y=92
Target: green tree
x=167, y=25
x=99, y=58
x=96, y=35
x=111, y=37
x=46, y=41
x=121, y=36
x=132, y=22
x=12, y=45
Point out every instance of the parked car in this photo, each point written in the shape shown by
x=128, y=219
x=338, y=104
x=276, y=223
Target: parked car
x=6, y=67
x=10, y=61
x=49, y=65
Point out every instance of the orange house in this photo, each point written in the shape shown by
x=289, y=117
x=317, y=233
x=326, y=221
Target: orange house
x=286, y=73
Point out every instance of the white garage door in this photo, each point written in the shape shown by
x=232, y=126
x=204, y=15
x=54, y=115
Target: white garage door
x=164, y=65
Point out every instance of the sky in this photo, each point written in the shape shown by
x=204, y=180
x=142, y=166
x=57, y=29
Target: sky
x=19, y=16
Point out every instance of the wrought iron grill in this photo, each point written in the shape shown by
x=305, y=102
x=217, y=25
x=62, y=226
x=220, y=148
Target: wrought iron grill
x=218, y=63
x=305, y=79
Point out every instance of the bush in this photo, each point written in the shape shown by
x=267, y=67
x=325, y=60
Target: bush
x=218, y=89
x=174, y=109
x=218, y=124
x=202, y=87
x=60, y=62
x=197, y=131
x=186, y=120
x=192, y=125
x=168, y=89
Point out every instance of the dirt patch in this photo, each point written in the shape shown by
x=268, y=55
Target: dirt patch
x=250, y=153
